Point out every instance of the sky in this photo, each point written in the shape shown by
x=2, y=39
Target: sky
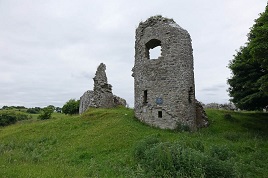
x=50, y=49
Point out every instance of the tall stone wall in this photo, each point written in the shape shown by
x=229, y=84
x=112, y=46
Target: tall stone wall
x=164, y=87
x=102, y=95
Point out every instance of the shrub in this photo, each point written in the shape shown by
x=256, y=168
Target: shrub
x=140, y=148
x=198, y=145
x=173, y=160
x=35, y=110
x=46, y=113
x=221, y=152
x=8, y=117
x=71, y=107
x=229, y=117
x=182, y=127
x=232, y=136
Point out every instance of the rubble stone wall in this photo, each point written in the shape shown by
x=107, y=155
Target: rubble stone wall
x=164, y=87
x=86, y=101
x=102, y=95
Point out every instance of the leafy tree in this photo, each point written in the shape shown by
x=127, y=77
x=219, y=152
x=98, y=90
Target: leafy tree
x=52, y=107
x=5, y=107
x=46, y=113
x=58, y=109
x=71, y=107
x=249, y=81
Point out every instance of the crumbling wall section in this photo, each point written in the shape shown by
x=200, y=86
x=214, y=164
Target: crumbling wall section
x=102, y=95
x=119, y=101
x=86, y=101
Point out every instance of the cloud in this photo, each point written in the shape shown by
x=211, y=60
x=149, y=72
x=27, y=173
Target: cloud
x=214, y=88
x=50, y=50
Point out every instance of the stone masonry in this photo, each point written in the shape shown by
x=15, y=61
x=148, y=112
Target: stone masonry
x=101, y=96
x=164, y=87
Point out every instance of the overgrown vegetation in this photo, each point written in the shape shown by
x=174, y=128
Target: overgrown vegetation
x=166, y=159
x=71, y=107
x=35, y=110
x=112, y=143
x=46, y=113
x=8, y=117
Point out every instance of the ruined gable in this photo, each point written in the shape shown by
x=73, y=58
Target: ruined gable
x=102, y=95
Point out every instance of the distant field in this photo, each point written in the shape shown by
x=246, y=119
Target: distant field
x=101, y=143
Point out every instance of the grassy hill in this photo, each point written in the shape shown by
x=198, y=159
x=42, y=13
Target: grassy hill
x=102, y=142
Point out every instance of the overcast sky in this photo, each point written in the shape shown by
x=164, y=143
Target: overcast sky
x=50, y=49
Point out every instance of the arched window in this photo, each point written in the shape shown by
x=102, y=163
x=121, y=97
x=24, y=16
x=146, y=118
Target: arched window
x=153, y=49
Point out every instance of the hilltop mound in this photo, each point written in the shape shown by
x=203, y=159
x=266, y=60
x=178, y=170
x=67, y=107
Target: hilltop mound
x=100, y=143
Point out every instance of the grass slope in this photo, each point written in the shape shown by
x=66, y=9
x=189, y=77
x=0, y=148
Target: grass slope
x=100, y=143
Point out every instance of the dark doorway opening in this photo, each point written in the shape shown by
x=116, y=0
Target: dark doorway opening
x=160, y=114
x=145, y=96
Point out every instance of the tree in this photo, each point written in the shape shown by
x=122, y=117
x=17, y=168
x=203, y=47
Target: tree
x=35, y=110
x=51, y=107
x=46, y=113
x=249, y=81
x=5, y=107
x=71, y=107
x=58, y=109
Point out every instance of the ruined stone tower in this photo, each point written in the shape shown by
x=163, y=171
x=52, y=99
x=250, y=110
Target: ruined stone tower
x=164, y=87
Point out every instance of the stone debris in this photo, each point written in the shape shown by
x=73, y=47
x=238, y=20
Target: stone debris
x=102, y=95
x=201, y=116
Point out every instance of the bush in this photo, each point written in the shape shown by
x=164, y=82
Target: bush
x=229, y=117
x=173, y=160
x=140, y=148
x=182, y=127
x=232, y=136
x=8, y=117
x=35, y=110
x=71, y=107
x=46, y=113
x=221, y=152
x=198, y=145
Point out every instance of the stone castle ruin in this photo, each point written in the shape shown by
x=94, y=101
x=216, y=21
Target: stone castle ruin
x=164, y=87
x=101, y=96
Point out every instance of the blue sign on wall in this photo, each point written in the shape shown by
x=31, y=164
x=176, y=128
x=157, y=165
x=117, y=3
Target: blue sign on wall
x=159, y=101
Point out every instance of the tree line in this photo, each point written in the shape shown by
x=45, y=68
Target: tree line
x=12, y=114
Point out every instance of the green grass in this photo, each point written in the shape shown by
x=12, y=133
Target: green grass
x=101, y=142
